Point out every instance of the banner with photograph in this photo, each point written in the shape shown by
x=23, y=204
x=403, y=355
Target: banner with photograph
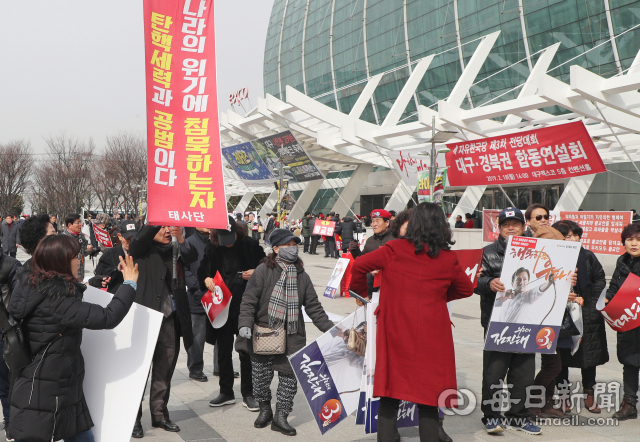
x=216, y=304
x=272, y=148
x=553, y=152
x=184, y=164
x=330, y=374
x=536, y=273
x=490, y=227
x=247, y=164
x=622, y=313
x=333, y=286
x=424, y=189
x=601, y=230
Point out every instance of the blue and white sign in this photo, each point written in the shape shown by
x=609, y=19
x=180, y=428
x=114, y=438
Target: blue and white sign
x=246, y=162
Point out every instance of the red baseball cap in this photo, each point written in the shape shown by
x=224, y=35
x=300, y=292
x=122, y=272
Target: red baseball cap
x=380, y=213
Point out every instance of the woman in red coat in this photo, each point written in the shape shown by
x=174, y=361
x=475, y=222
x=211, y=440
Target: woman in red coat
x=415, y=357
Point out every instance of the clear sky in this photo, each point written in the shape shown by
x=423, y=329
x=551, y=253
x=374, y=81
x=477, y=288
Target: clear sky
x=77, y=66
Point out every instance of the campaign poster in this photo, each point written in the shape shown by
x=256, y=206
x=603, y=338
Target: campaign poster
x=323, y=227
x=424, y=188
x=247, y=164
x=552, y=152
x=184, y=162
x=216, y=304
x=102, y=236
x=330, y=374
x=333, y=286
x=117, y=364
x=284, y=145
x=622, y=313
x=490, y=227
x=536, y=273
x=601, y=230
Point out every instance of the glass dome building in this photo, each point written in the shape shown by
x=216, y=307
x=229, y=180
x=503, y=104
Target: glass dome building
x=328, y=48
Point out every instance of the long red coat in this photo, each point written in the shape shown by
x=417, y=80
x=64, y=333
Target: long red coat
x=415, y=359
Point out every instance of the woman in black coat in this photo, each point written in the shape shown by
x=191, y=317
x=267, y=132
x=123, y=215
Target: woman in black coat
x=629, y=341
x=47, y=400
x=593, y=346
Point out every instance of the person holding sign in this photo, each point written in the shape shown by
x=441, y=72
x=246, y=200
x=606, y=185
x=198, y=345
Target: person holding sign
x=628, y=341
x=47, y=399
x=420, y=274
x=274, y=299
x=235, y=256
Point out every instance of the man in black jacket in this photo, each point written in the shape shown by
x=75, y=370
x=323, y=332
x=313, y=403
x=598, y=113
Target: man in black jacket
x=151, y=248
x=517, y=368
x=235, y=256
x=315, y=238
x=107, y=273
x=346, y=229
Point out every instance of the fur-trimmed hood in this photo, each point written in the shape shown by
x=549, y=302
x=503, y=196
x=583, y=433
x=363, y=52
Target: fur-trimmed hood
x=28, y=296
x=58, y=287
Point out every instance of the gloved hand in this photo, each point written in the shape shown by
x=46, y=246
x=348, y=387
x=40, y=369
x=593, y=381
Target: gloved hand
x=353, y=245
x=245, y=332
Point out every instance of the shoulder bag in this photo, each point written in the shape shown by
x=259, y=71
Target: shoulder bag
x=267, y=341
x=357, y=342
x=16, y=351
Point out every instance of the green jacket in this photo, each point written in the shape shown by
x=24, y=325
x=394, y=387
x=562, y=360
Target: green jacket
x=306, y=231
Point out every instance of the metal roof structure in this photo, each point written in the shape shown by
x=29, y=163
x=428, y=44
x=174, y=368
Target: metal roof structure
x=609, y=107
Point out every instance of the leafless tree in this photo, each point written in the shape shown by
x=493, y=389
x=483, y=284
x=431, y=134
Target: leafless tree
x=126, y=156
x=16, y=164
x=62, y=179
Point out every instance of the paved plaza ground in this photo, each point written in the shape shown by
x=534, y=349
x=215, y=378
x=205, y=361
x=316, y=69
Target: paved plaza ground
x=189, y=404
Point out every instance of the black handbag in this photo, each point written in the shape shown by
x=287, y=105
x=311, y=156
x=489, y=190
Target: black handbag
x=568, y=327
x=16, y=351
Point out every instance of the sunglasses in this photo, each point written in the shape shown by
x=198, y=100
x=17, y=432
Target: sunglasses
x=539, y=217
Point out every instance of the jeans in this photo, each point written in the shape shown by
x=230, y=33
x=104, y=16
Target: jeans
x=4, y=387
x=428, y=423
x=195, y=360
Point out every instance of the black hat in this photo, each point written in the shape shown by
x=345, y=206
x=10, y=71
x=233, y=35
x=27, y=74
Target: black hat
x=510, y=213
x=127, y=228
x=227, y=236
x=282, y=236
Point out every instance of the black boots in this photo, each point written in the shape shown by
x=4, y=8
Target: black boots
x=137, y=430
x=280, y=424
x=627, y=410
x=265, y=416
x=442, y=435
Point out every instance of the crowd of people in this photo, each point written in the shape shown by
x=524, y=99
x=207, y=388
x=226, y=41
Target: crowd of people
x=407, y=262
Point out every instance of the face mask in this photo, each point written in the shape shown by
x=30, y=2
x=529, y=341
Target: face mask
x=288, y=254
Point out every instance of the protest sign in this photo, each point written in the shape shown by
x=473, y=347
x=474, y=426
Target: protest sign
x=102, y=236
x=553, y=152
x=471, y=262
x=246, y=162
x=333, y=286
x=622, y=312
x=601, y=230
x=216, y=304
x=184, y=163
x=536, y=273
x=116, y=364
x=424, y=188
x=284, y=147
x=330, y=374
x=324, y=228
x=490, y=227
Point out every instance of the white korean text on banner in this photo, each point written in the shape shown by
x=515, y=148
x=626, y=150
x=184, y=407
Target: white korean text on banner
x=102, y=236
x=184, y=164
x=330, y=374
x=536, y=273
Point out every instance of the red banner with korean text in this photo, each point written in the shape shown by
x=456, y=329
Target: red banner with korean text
x=555, y=152
x=622, y=313
x=601, y=230
x=102, y=236
x=471, y=262
x=184, y=165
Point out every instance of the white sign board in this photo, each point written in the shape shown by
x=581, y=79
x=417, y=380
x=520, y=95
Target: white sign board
x=116, y=365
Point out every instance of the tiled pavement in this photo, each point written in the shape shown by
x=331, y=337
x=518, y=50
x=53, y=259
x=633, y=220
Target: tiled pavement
x=189, y=404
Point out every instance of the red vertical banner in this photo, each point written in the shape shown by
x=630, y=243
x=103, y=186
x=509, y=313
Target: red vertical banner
x=184, y=165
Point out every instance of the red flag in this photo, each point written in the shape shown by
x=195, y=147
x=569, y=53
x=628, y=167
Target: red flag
x=346, y=278
x=216, y=304
x=623, y=311
x=471, y=262
x=102, y=236
x=184, y=166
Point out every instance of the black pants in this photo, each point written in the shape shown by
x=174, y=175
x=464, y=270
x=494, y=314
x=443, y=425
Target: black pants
x=314, y=244
x=224, y=340
x=307, y=240
x=519, y=369
x=163, y=364
x=329, y=246
x=546, y=377
x=588, y=377
x=630, y=381
x=5, y=376
x=428, y=425
x=195, y=360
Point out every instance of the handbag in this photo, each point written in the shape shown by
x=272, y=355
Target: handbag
x=267, y=341
x=357, y=341
x=568, y=327
x=16, y=351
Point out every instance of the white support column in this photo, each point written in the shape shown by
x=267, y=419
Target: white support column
x=400, y=197
x=574, y=193
x=269, y=204
x=305, y=198
x=467, y=203
x=352, y=189
x=244, y=202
